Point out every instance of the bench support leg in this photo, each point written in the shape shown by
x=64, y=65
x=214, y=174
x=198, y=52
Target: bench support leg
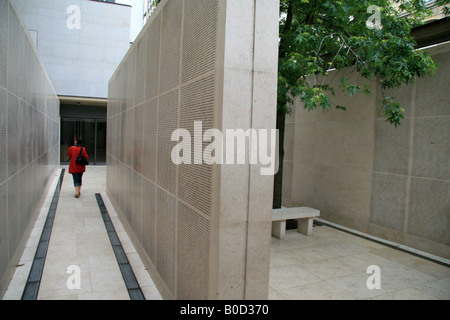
x=305, y=226
x=279, y=229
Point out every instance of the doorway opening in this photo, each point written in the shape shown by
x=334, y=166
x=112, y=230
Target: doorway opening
x=93, y=133
x=85, y=119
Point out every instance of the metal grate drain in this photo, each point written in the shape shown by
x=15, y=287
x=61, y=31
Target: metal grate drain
x=134, y=290
x=34, y=278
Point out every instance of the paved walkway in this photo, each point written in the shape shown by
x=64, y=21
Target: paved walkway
x=333, y=265
x=79, y=242
x=329, y=264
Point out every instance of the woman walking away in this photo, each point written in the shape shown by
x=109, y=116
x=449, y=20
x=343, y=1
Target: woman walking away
x=74, y=168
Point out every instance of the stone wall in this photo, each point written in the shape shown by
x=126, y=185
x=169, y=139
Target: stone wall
x=29, y=137
x=364, y=173
x=204, y=230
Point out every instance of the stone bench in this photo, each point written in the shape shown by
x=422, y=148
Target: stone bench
x=304, y=215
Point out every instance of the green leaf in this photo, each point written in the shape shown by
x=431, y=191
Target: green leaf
x=318, y=35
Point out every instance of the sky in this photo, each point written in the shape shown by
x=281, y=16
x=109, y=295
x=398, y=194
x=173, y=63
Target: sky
x=136, y=16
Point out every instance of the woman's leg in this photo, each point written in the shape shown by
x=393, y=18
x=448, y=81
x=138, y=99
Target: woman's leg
x=77, y=181
x=81, y=183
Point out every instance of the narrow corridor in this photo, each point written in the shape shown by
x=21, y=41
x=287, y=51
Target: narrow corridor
x=79, y=245
x=327, y=265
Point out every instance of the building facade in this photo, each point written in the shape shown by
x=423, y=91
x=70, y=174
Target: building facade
x=80, y=43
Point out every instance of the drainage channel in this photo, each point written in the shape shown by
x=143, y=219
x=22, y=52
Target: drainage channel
x=33, y=283
x=134, y=290
x=396, y=246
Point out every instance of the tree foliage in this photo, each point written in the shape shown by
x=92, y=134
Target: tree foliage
x=317, y=36
x=371, y=36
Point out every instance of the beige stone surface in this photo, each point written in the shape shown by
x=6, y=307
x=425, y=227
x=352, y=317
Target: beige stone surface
x=212, y=61
x=363, y=173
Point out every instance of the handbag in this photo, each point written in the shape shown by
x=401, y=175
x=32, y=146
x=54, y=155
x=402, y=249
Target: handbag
x=81, y=160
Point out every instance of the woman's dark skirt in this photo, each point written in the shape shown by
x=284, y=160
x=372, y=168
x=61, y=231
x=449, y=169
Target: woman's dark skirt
x=77, y=179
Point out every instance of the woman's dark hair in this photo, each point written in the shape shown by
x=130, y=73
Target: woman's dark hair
x=79, y=141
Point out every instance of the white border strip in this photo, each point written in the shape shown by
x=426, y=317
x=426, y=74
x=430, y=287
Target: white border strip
x=387, y=242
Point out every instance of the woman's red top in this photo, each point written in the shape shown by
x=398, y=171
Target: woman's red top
x=73, y=154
